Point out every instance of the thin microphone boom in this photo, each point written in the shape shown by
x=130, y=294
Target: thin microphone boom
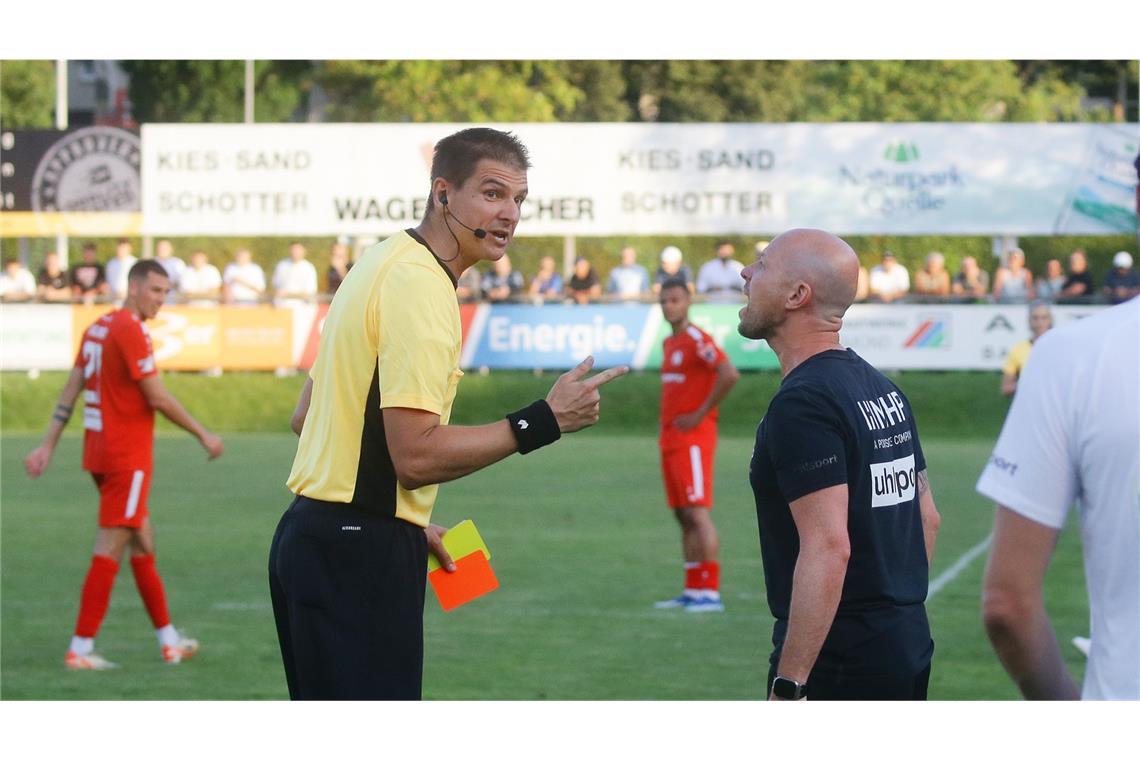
x=478, y=232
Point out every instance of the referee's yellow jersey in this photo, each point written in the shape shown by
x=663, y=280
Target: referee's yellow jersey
x=392, y=337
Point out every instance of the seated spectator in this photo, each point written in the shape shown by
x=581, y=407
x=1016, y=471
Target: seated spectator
x=862, y=285
x=88, y=279
x=118, y=268
x=174, y=266
x=1013, y=282
x=1122, y=282
x=671, y=266
x=503, y=282
x=888, y=281
x=1078, y=287
x=294, y=279
x=583, y=286
x=1040, y=321
x=201, y=282
x=52, y=281
x=971, y=281
x=933, y=280
x=243, y=280
x=16, y=282
x=629, y=281
x=1050, y=286
x=468, y=288
x=719, y=279
x=338, y=267
x=547, y=283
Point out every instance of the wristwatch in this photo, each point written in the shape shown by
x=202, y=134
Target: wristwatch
x=786, y=688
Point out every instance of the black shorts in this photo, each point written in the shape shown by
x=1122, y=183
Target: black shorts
x=348, y=598
x=837, y=686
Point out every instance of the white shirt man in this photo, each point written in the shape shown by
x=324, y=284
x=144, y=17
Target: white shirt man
x=17, y=283
x=117, y=270
x=890, y=280
x=1072, y=433
x=294, y=279
x=720, y=278
x=174, y=266
x=201, y=282
x=244, y=280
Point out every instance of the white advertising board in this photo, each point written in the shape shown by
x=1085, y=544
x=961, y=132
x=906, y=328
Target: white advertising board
x=35, y=336
x=611, y=179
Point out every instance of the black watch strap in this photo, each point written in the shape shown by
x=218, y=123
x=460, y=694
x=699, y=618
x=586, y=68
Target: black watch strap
x=786, y=688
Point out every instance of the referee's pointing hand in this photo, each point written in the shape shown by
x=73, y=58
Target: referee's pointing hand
x=575, y=399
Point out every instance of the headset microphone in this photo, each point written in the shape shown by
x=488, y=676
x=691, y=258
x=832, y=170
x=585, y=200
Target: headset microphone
x=478, y=232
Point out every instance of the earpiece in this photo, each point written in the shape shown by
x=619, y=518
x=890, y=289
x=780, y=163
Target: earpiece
x=443, y=199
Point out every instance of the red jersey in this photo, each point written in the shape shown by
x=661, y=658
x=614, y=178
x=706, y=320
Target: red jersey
x=115, y=355
x=688, y=371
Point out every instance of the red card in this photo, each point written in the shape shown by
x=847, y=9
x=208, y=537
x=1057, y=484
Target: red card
x=472, y=578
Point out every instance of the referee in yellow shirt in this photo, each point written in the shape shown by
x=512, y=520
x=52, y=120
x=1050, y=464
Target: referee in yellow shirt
x=348, y=563
x=1040, y=322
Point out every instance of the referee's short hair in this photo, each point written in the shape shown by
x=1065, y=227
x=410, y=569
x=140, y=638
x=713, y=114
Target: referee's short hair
x=457, y=155
x=143, y=267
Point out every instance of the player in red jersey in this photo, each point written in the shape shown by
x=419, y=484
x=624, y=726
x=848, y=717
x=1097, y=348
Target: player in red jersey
x=116, y=373
x=696, y=375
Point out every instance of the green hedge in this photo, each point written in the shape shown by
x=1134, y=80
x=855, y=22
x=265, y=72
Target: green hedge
x=955, y=404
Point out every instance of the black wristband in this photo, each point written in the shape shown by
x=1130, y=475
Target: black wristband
x=534, y=426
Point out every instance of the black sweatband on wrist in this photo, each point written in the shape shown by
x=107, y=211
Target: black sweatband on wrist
x=64, y=418
x=534, y=426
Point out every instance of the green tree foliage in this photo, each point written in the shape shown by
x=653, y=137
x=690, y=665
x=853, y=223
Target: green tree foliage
x=462, y=91
x=27, y=94
x=214, y=91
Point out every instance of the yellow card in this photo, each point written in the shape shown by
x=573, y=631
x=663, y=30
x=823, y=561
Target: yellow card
x=460, y=541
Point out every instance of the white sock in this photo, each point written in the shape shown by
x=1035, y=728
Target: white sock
x=82, y=646
x=167, y=635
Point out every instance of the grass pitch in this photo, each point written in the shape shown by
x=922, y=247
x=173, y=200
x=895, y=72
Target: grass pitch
x=580, y=539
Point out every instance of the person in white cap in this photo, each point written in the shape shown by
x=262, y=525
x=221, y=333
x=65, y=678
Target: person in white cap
x=672, y=267
x=1122, y=282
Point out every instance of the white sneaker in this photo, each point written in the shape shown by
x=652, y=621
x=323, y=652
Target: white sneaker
x=671, y=604
x=704, y=605
x=1083, y=644
x=89, y=661
x=183, y=650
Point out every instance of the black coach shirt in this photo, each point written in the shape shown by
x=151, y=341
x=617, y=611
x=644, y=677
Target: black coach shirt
x=836, y=419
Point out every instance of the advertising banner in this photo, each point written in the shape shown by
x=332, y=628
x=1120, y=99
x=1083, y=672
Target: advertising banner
x=187, y=338
x=35, y=336
x=719, y=321
x=653, y=179
x=79, y=182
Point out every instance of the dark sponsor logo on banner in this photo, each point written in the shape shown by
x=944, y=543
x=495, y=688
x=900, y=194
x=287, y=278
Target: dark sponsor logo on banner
x=90, y=169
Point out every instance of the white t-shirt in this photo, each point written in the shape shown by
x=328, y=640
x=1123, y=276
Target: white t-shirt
x=1073, y=432
x=884, y=283
x=117, y=270
x=237, y=275
x=721, y=279
x=174, y=267
x=23, y=285
x=295, y=277
x=206, y=281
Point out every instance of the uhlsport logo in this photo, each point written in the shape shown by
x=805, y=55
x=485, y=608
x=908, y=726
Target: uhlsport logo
x=90, y=169
x=892, y=482
x=933, y=332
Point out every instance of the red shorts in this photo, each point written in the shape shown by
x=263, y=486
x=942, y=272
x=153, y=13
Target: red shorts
x=688, y=474
x=122, y=498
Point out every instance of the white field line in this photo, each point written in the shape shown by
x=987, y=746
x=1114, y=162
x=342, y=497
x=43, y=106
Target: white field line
x=954, y=570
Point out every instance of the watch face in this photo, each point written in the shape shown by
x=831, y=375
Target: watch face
x=786, y=688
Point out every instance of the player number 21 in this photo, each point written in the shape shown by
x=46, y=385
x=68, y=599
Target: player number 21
x=93, y=356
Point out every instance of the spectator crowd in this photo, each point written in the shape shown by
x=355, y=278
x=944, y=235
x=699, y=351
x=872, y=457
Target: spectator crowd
x=295, y=279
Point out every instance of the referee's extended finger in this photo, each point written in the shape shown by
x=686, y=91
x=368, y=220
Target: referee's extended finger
x=602, y=378
x=579, y=371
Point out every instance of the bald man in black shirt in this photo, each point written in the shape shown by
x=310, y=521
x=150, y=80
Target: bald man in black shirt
x=847, y=520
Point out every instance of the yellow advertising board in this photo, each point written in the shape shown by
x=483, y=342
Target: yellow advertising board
x=229, y=337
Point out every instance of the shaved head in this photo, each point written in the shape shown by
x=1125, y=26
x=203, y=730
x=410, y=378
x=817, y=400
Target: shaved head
x=803, y=272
